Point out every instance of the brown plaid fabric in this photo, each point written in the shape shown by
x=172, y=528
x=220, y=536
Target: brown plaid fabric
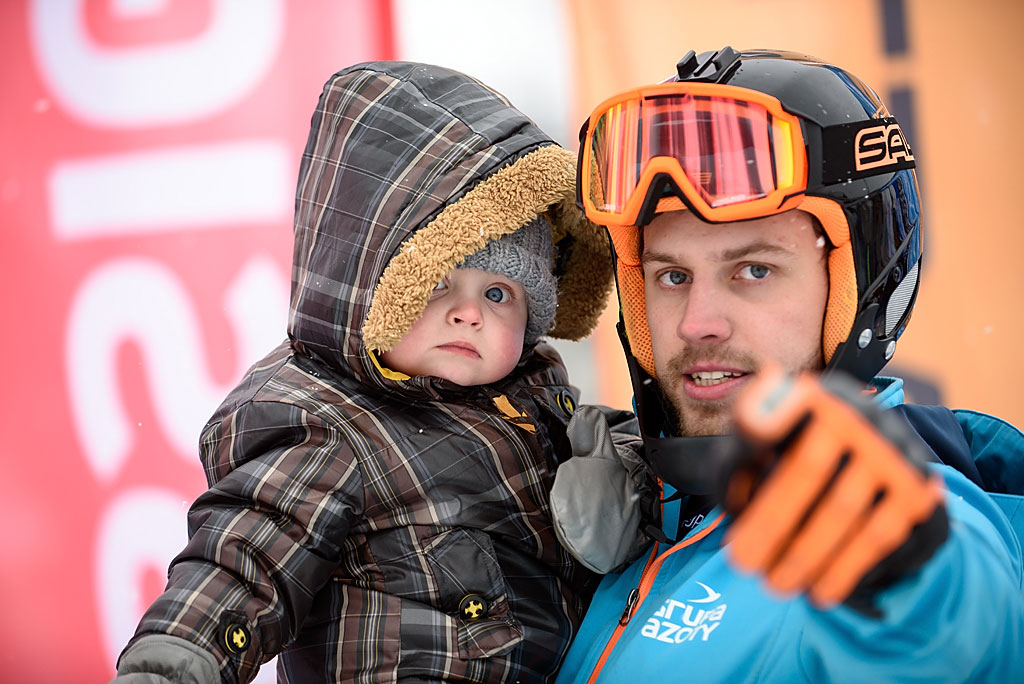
x=367, y=529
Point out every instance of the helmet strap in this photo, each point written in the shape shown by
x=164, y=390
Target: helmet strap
x=863, y=353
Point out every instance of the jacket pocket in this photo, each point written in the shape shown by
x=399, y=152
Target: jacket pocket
x=471, y=591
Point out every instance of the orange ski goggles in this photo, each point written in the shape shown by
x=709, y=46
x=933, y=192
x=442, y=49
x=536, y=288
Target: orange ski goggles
x=732, y=153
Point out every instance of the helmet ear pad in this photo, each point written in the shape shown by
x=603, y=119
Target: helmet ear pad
x=629, y=278
x=840, y=309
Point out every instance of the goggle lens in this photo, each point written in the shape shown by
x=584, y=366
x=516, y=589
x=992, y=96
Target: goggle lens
x=721, y=151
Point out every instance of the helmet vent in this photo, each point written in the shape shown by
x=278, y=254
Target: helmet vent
x=900, y=300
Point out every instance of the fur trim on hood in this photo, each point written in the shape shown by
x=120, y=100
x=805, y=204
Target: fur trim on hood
x=409, y=169
x=499, y=205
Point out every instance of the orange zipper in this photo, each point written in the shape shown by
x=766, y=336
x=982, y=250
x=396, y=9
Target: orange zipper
x=639, y=593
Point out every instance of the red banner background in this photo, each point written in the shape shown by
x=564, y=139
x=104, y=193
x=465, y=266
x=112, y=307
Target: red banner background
x=146, y=189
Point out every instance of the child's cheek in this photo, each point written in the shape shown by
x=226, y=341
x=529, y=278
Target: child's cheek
x=512, y=348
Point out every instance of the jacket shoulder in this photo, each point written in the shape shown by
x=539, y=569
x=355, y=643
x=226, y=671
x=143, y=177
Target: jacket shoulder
x=998, y=450
x=939, y=429
x=285, y=377
x=987, y=450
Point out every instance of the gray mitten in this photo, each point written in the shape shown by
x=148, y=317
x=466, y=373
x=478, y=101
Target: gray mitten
x=595, y=499
x=165, y=659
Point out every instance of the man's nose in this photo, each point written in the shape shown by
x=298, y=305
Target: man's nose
x=705, y=317
x=466, y=311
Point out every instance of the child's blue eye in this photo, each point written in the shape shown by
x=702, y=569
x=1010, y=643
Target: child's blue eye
x=439, y=289
x=498, y=295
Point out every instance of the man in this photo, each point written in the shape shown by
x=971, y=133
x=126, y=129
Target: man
x=765, y=218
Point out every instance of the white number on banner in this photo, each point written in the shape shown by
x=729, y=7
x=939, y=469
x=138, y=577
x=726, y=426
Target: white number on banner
x=142, y=301
x=152, y=85
x=126, y=299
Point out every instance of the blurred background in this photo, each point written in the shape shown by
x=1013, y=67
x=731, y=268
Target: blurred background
x=148, y=156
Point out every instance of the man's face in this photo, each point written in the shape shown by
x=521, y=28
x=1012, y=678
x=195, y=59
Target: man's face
x=723, y=300
x=471, y=332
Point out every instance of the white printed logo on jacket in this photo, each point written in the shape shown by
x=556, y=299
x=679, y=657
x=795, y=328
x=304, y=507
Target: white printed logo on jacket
x=678, y=621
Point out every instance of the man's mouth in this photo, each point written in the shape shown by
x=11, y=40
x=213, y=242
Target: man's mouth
x=710, y=378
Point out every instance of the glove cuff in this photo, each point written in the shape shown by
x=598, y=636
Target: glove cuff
x=171, y=658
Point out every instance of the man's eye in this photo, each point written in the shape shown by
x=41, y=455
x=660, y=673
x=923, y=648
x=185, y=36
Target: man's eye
x=673, y=278
x=498, y=295
x=755, y=272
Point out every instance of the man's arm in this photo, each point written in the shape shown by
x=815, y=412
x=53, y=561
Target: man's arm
x=958, y=618
x=914, y=571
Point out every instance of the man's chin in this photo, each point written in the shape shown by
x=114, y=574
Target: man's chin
x=703, y=428
x=703, y=420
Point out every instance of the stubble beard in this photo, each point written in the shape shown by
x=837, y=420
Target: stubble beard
x=704, y=418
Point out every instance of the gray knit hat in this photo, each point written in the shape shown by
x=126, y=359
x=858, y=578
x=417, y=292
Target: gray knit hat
x=525, y=256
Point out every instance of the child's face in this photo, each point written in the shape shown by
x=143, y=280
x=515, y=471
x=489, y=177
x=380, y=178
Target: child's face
x=471, y=332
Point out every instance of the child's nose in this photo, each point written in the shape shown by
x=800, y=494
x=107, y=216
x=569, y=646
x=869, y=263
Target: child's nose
x=466, y=311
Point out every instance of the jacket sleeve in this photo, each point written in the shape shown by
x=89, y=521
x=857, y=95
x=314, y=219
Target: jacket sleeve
x=960, y=618
x=263, y=539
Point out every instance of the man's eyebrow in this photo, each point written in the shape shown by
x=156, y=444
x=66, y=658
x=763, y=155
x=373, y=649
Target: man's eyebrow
x=650, y=256
x=732, y=254
x=758, y=247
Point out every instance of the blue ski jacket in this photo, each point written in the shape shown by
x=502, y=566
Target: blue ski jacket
x=684, y=614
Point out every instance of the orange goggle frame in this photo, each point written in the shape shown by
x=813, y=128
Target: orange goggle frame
x=733, y=153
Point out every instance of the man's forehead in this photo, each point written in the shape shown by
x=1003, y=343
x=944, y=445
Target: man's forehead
x=681, y=235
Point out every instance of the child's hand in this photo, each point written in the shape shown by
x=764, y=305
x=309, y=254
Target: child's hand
x=165, y=659
x=595, y=500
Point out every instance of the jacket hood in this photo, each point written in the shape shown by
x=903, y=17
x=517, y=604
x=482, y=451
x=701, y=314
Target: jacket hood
x=408, y=169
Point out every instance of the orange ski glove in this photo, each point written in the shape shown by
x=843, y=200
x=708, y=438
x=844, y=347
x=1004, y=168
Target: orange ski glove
x=831, y=493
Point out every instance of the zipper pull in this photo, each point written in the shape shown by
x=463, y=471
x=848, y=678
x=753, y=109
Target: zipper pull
x=634, y=596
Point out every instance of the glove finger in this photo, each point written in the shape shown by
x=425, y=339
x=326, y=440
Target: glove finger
x=909, y=498
x=889, y=526
x=873, y=542
x=843, y=508
x=769, y=522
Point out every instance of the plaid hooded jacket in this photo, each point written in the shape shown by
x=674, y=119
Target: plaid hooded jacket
x=368, y=526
